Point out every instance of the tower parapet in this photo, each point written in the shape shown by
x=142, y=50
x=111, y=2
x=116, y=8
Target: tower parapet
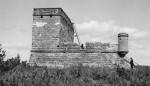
x=122, y=44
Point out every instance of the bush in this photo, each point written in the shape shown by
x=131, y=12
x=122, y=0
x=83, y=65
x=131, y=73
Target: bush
x=25, y=75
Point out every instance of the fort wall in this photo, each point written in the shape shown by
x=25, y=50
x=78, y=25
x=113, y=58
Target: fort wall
x=45, y=34
x=53, y=43
x=50, y=28
x=68, y=59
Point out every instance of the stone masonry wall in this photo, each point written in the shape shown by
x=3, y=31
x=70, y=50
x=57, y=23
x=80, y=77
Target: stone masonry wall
x=103, y=47
x=68, y=54
x=69, y=59
x=66, y=32
x=51, y=26
x=53, y=43
x=45, y=32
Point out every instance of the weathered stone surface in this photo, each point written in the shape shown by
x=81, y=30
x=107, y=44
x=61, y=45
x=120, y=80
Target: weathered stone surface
x=53, y=43
x=96, y=45
x=102, y=47
x=69, y=45
x=49, y=29
x=67, y=59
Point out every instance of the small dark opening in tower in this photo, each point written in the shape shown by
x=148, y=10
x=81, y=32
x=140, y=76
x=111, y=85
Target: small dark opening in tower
x=41, y=16
x=50, y=15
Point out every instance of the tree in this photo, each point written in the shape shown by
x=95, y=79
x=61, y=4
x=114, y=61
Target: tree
x=11, y=63
x=2, y=56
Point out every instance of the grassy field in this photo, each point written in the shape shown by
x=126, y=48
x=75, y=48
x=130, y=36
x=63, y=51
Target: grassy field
x=24, y=75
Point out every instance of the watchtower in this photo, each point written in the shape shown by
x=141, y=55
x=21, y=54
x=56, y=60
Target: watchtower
x=51, y=26
x=122, y=44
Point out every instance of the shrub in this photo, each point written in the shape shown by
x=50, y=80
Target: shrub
x=25, y=75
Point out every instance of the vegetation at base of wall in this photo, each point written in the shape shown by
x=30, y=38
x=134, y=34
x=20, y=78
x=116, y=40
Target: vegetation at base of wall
x=16, y=73
x=25, y=75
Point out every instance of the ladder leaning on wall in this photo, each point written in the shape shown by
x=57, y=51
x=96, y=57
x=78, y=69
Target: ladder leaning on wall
x=76, y=32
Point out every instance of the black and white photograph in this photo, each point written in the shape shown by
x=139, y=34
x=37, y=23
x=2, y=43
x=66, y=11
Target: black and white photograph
x=74, y=43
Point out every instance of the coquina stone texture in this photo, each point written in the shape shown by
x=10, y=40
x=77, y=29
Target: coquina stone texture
x=53, y=43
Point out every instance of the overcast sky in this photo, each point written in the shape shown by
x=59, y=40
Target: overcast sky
x=96, y=21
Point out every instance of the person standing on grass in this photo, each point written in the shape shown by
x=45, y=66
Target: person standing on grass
x=131, y=63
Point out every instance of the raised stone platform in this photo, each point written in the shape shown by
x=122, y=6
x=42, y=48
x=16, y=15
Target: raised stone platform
x=67, y=59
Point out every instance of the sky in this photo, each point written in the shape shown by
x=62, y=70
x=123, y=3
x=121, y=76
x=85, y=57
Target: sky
x=95, y=20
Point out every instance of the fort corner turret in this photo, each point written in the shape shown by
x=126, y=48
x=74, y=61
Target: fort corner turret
x=122, y=44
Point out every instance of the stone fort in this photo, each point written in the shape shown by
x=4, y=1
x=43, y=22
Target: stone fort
x=53, y=43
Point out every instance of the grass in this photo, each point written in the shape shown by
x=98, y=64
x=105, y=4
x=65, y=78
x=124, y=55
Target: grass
x=24, y=75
